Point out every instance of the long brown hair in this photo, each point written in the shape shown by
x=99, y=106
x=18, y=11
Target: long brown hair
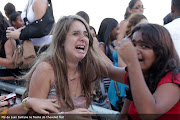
x=167, y=59
x=89, y=66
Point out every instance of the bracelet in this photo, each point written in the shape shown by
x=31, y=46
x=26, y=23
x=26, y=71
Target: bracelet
x=24, y=103
x=4, y=112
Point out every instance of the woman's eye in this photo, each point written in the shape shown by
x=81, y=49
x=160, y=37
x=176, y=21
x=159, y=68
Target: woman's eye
x=75, y=33
x=144, y=46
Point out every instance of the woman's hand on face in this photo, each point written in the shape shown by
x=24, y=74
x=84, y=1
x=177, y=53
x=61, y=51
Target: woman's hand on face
x=2, y=104
x=43, y=106
x=126, y=50
x=79, y=114
x=13, y=34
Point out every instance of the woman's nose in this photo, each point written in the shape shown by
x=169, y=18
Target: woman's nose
x=83, y=37
x=138, y=50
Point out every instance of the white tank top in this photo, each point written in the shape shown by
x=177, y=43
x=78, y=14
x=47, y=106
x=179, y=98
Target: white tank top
x=31, y=18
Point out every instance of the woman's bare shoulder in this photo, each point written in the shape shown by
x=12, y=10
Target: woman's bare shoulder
x=44, y=67
x=123, y=22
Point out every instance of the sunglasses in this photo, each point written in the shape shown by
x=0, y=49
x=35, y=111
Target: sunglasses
x=138, y=7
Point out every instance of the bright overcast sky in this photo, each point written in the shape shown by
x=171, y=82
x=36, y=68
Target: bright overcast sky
x=155, y=10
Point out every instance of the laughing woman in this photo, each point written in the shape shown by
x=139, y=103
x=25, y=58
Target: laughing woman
x=153, y=74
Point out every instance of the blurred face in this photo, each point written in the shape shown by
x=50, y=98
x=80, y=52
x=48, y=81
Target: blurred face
x=18, y=23
x=7, y=15
x=144, y=51
x=93, y=32
x=143, y=21
x=115, y=33
x=137, y=8
x=77, y=42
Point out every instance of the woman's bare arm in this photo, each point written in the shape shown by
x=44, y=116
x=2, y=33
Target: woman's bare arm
x=39, y=8
x=9, y=48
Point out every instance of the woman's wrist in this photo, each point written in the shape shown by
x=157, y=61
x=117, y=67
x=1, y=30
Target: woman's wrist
x=26, y=103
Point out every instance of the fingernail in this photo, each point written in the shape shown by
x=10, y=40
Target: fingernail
x=4, y=96
x=47, y=114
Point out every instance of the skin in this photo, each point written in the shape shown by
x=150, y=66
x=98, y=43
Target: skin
x=113, y=36
x=120, y=61
x=157, y=103
x=143, y=21
x=42, y=106
x=76, y=36
x=136, y=5
x=122, y=30
x=18, y=23
x=115, y=32
x=39, y=8
x=9, y=47
x=144, y=52
x=93, y=33
x=123, y=23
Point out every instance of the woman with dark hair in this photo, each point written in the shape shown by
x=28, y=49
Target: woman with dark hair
x=108, y=32
x=153, y=74
x=7, y=47
x=9, y=8
x=135, y=6
x=93, y=31
x=114, y=99
x=15, y=20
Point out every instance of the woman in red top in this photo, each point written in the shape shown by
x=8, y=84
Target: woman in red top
x=153, y=74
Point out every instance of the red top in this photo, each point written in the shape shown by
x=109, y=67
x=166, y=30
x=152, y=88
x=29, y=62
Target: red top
x=172, y=114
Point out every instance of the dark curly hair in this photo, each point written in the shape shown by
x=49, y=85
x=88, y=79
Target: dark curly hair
x=167, y=59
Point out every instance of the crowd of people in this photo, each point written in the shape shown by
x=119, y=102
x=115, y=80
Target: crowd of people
x=132, y=67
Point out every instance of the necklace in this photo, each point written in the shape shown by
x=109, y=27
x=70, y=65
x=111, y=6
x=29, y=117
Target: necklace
x=74, y=76
x=71, y=79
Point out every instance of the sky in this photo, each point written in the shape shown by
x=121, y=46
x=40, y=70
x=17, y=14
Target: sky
x=155, y=10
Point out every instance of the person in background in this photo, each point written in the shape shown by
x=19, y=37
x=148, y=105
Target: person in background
x=115, y=100
x=15, y=20
x=153, y=74
x=93, y=31
x=42, y=106
x=7, y=47
x=84, y=15
x=108, y=32
x=9, y=8
x=34, y=10
x=135, y=20
x=167, y=19
x=174, y=26
x=135, y=6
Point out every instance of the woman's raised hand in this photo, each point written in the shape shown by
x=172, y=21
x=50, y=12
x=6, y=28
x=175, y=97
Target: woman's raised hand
x=126, y=50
